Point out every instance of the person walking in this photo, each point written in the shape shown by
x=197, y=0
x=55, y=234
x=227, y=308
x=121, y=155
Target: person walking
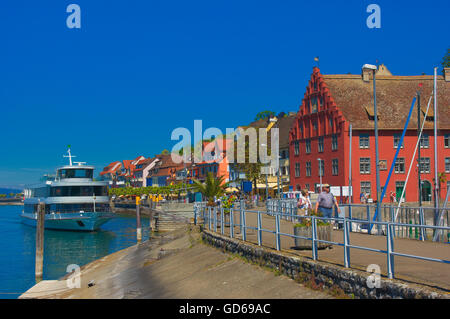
x=301, y=203
x=326, y=202
x=308, y=205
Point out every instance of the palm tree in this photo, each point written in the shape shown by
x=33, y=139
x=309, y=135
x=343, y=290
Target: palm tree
x=213, y=187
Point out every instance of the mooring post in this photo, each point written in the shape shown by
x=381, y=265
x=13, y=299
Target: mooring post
x=40, y=242
x=138, y=219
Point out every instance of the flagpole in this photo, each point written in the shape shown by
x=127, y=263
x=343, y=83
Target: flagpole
x=436, y=181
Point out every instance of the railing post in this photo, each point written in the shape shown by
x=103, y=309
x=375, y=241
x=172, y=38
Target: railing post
x=215, y=218
x=222, y=224
x=368, y=218
x=195, y=215
x=422, y=222
x=204, y=216
x=244, y=229
x=390, y=249
x=259, y=229
x=277, y=231
x=350, y=215
x=346, y=243
x=232, y=222
x=314, y=238
x=294, y=212
x=241, y=209
x=209, y=218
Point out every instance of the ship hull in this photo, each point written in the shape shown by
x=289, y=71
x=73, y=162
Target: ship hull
x=88, y=221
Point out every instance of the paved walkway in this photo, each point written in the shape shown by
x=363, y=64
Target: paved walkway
x=430, y=273
x=175, y=265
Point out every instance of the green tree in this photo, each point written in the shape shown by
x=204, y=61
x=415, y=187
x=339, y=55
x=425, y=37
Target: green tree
x=446, y=61
x=264, y=115
x=165, y=152
x=213, y=187
x=252, y=170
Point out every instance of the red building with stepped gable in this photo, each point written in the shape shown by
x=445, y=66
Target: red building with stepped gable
x=321, y=130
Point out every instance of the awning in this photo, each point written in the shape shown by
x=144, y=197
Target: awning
x=231, y=190
x=269, y=185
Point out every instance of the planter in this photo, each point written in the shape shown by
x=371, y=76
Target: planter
x=323, y=233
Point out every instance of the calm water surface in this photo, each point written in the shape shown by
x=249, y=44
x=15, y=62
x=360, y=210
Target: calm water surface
x=61, y=248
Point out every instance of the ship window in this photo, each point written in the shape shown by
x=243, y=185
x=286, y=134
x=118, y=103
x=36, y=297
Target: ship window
x=75, y=173
x=79, y=191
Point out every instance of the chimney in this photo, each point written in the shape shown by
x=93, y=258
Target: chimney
x=366, y=73
x=447, y=74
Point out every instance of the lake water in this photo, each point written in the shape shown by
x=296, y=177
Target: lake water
x=61, y=248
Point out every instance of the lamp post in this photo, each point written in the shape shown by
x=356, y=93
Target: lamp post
x=373, y=68
x=265, y=171
x=278, y=178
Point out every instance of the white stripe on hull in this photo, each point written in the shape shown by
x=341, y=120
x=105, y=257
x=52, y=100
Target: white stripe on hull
x=82, y=222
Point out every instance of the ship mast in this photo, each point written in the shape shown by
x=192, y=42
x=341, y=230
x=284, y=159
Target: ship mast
x=69, y=156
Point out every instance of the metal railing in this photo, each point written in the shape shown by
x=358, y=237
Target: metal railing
x=365, y=212
x=211, y=221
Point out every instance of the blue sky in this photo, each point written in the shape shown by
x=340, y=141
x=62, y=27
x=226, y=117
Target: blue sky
x=136, y=70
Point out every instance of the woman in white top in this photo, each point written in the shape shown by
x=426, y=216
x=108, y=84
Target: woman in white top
x=301, y=204
x=307, y=200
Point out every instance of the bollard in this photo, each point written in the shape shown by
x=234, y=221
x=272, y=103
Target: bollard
x=40, y=222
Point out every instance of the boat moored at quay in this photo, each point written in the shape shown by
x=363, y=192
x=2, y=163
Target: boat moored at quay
x=73, y=200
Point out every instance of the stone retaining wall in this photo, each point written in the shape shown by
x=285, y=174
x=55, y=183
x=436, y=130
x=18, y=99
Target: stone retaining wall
x=351, y=282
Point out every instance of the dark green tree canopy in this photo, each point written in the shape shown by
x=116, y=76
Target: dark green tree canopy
x=446, y=61
x=264, y=115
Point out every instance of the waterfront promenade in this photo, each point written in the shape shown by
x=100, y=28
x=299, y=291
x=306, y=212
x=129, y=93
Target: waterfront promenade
x=175, y=265
x=432, y=274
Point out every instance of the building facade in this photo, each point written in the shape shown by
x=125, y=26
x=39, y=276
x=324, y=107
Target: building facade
x=319, y=139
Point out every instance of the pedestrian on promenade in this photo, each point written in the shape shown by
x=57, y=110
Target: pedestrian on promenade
x=308, y=201
x=301, y=203
x=326, y=202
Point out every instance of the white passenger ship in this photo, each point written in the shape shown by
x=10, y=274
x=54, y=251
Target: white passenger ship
x=73, y=200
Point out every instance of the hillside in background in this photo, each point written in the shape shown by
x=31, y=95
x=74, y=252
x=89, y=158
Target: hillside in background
x=7, y=191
